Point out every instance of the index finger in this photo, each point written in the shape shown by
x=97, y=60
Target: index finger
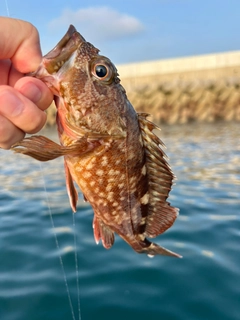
x=19, y=42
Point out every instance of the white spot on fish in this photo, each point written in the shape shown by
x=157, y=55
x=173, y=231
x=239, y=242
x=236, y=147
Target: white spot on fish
x=141, y=237
x=93, y=159
x=115, y=204
x=121, y=185
x=86, y=174
x=83, y=184
x=100, y=201
x=145, y=199
x=102, y=194
x=109, y=187
x=92, y=183
x=99, y=172
x=110, y=196
x=144, y=170
x=113, y=172
x=100, y=181
x=89, y=166
x=104, y=161
x=79, y=169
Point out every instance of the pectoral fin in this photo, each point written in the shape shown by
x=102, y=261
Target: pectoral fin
x=44, y=149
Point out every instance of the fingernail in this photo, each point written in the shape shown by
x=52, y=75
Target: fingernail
x=33, y=93
x=10, y=104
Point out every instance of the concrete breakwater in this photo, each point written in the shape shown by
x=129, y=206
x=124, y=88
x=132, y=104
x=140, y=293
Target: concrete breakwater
x=182, y=102
x=199, y=88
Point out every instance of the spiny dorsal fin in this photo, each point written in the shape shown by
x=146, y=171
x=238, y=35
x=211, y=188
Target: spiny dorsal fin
x=160, y=214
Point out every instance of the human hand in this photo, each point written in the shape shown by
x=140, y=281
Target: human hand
x=22, y=99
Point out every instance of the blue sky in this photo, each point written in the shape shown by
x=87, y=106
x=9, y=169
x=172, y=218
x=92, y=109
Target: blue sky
x=136, y=30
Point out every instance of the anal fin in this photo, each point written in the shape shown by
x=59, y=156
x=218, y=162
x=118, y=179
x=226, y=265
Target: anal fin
x=71, y=190
x=101, y=231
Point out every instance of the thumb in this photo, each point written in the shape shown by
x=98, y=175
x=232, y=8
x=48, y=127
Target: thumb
x=19, y=42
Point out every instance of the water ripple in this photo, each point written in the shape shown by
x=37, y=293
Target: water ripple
x=119, y=283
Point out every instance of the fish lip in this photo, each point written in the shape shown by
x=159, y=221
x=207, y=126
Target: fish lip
x=56, y=51
x=55, y=59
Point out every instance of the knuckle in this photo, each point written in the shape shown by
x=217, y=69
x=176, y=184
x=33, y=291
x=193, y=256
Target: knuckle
x=9, y=138
x=31, y=30
x=9, y=133
x=37, y=123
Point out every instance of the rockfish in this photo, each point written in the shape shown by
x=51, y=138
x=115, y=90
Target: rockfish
x=109, y=150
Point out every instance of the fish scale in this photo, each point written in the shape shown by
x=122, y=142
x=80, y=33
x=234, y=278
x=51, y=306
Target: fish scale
x=109, y=150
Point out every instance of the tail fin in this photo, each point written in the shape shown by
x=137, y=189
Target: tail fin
x=153, y=249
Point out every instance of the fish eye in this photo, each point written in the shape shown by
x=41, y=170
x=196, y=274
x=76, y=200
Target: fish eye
x=101, y=71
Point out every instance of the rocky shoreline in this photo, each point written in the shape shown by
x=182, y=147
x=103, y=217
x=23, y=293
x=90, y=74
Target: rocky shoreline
x=182, y=102
x=200, y=88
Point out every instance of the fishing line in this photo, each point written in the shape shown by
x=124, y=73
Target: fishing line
x=6, y=3
x=76, y=265
x=57, y=244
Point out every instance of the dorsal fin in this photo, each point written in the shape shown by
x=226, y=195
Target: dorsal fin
x=160, y=178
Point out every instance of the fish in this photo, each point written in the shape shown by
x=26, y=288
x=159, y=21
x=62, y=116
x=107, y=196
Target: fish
x=110, y=151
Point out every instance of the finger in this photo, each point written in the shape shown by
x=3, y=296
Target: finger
x=22, y=112
x=36, y=91
x=9, y=75
x=19, y=41
x=9, y=133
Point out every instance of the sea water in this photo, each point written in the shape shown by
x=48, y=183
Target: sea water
x=119, y=283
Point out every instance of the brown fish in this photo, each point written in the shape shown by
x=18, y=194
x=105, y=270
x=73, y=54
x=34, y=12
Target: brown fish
x=109, y=150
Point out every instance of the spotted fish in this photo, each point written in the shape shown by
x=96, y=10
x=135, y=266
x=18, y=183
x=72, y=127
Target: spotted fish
x=109, y=150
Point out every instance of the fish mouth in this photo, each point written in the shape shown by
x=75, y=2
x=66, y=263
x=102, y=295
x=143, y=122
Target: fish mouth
x=55, y=59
